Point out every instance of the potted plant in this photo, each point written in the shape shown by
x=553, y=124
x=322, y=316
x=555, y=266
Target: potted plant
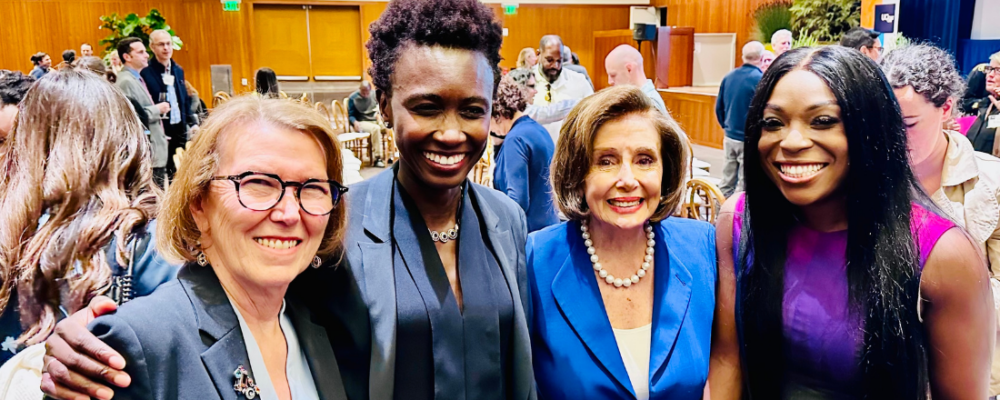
x=824, y=21
x=134, y=26
x=770, y=18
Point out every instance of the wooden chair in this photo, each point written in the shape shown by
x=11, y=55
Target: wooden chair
x=703, y=200
x=358, y=142
x=220, y=98
x=482, y=172
x=324, y=109
x=304, y=99
x=282, y=94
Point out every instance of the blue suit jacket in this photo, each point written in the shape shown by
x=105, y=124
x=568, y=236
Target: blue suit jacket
x=184, y=342
x=522, y=172
x=574, y=349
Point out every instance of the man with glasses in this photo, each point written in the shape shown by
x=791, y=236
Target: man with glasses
x=863, y=40
x=555, y=83
x=165, y=81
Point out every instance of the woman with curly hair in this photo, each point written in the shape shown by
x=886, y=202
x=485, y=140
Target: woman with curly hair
x=428, y=299
x=77, y=203
x=964, y=183
x=522, y=163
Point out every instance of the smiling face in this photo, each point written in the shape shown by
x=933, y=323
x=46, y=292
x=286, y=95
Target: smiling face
x=261, y=248
x=923, y=123
x=803, y=145
x=440, y=107
x=623, y=186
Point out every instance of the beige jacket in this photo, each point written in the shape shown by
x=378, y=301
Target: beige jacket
x=970, y=196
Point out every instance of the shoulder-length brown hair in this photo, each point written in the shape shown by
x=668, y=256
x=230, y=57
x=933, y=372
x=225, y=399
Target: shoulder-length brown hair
x=177, y=233
x=575, y=149
x=79, y=155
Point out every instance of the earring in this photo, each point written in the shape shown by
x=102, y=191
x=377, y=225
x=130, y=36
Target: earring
x=316, y=262
x=200, y=255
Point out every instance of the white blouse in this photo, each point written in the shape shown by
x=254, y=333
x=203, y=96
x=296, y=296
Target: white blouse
x=634, y=345
x=300, y=380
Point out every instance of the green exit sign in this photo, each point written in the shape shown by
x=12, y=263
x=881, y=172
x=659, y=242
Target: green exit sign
x=510, y=9
x=230, y=5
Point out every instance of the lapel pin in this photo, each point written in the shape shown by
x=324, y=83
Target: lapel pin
x=244, y=383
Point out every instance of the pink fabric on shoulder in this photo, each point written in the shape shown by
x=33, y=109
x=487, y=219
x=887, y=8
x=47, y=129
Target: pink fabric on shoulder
x=965, y=123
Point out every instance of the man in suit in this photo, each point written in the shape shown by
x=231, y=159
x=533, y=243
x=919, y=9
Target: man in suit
x=134, y=58
x=165, y=81
x=731, y=108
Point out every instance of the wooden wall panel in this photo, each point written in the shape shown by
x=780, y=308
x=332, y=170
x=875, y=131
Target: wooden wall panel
x=604, y=42
x=714, y=16
x=696, y=115
x=868, y=13
x=369, y=13
x=282, y=40
x=576, y=25
x=335, y=40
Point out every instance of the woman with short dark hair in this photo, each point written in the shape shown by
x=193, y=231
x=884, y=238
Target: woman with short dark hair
x=622, y=295
x=837, y=276
x=267, y=83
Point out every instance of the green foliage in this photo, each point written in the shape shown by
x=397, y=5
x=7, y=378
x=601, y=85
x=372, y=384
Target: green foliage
x=134, y=26
x=824, y=20
x=902, y=41
x=804, y=41
x=770, y=18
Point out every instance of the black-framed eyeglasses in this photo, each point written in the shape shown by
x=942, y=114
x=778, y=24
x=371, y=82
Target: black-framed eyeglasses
x=548, y=92
x=261, y=192
x=991, y=69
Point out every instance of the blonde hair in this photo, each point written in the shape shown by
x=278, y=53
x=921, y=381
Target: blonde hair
x=177, y=233
x=575, y=149
x=522, y=57
x=78, y=155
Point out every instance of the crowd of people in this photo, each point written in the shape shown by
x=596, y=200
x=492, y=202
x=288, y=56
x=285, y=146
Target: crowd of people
x=855, y=256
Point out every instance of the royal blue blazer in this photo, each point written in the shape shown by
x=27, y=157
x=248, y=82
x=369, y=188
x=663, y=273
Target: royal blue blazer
x=574, y=352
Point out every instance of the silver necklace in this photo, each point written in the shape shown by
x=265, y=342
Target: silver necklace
x=444, y=237
x=610, y=279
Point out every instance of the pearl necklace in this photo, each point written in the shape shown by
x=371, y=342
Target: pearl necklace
x=610, y=279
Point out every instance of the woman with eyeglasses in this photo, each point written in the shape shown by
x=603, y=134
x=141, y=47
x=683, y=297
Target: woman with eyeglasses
x=252, y=206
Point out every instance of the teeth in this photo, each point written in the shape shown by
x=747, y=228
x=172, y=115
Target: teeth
x=617, y=203
x=800, y=171
x=444, y=160
x=277, y=244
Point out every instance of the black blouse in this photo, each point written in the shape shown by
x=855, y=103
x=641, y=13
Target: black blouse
x=444, y=352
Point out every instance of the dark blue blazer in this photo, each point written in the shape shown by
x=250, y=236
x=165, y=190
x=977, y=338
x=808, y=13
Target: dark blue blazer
x=184, y=342
x=522, y=172
x=573, y=346
x=733, y=102
x=153, y=76
x=356, y=297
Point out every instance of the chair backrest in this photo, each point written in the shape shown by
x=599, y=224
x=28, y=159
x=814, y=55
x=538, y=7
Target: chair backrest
x=282, y=94
x=304, y=99
x=703, y=200
x=219, y=98
x=323, y=109
x=340, y=117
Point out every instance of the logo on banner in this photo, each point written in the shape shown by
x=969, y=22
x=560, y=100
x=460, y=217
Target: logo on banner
x=885, y=18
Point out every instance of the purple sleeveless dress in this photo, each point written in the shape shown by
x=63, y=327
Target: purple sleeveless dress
x=822, y=340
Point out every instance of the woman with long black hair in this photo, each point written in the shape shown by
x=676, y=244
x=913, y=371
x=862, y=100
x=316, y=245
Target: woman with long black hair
x=837, y=279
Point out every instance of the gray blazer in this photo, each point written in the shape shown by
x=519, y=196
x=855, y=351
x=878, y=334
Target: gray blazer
x=135, y=90
x=369, y=258
x=184, y=342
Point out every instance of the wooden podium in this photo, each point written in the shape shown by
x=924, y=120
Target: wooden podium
x=675, y=57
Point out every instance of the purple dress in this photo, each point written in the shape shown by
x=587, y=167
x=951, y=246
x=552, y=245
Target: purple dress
x=822, y=339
